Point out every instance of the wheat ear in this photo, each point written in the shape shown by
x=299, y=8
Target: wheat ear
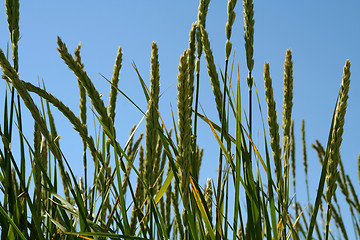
x=335, y=142
x=273, y=125
x=202, y=13
x=185, y=127
x=191, y=60
x=82, y=106
x=229, y=24
x=12, y=13
x=152, y=118
x=214, y=78
x=249, y=23
x=336, y=137
x=114, y=84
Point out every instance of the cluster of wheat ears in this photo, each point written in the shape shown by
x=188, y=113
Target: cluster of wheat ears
x=166, y=201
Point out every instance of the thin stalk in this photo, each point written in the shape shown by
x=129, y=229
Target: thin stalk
x=249, y=161
x=196, y=106
x=250, y=118
x=328, y=214
x=223, y=126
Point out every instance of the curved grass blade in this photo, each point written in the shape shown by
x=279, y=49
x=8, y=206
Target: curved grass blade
x=6, y=216
x=202, y=209
x=105, y=235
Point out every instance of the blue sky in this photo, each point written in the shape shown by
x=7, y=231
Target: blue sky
x=321, y=35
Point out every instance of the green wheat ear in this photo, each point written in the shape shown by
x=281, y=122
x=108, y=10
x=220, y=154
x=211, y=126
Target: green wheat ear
x=288, y=93
x=184, y=126
x=114, y=84
x=336, y=136
x=191, y=59
x=214, y=77
x=319, y=150
x=249, y=23
x=304, y=147
x=82, y=90
x=229, y=24
x=272, y=121
x=12, y=12
x=208, y=194
x=152, y=118
x=203, y=9
x=287, y=108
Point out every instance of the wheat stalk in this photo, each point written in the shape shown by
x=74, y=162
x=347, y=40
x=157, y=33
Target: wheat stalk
x=82, y=90
x=179, y=225
x=139, y=193
x=78, y=126
x=335, y=142
x=93, y=94
x=82, y=106
x=37, y=171
x=12, y=77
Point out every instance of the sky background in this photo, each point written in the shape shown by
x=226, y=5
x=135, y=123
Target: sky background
x=321, y=35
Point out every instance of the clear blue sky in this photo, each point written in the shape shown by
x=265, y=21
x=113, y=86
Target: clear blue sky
x=321, y=35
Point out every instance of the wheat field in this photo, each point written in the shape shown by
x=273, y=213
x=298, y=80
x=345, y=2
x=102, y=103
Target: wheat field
x=150, y=183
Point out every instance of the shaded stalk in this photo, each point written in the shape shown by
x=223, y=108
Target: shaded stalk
x=223, y=128
x=249, y=48
x=250, y=117
x=83, y=117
